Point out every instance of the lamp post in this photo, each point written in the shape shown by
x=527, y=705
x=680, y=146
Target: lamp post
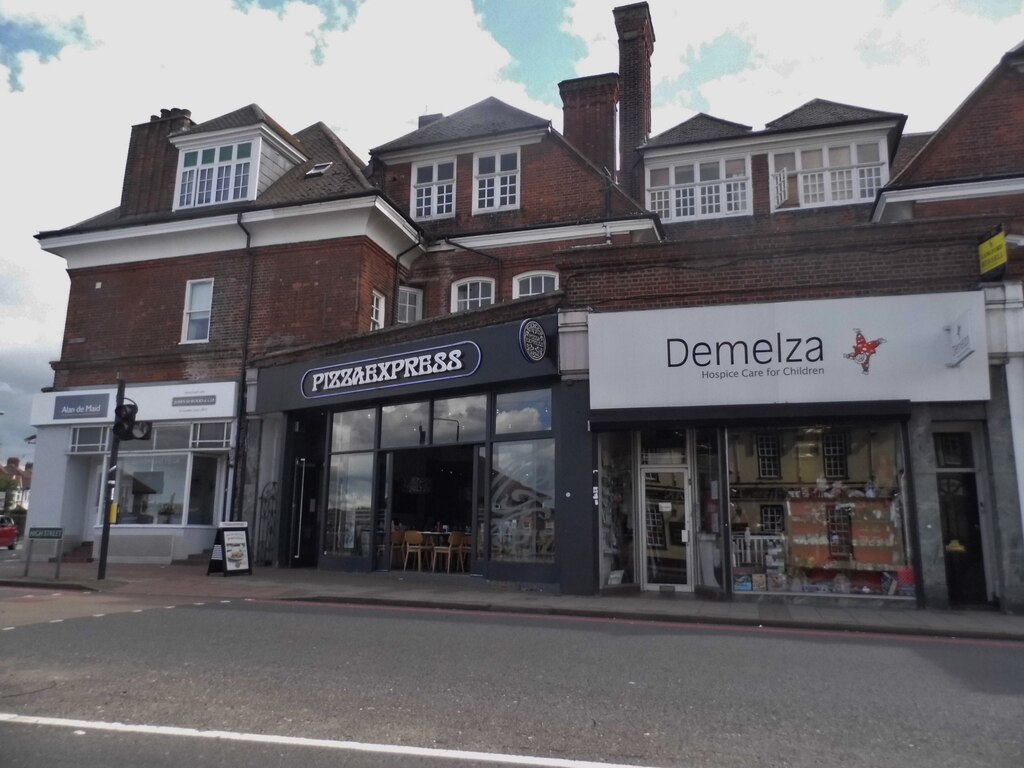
x=458, y=425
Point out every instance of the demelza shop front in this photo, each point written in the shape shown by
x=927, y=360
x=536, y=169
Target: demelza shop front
x=762, y=449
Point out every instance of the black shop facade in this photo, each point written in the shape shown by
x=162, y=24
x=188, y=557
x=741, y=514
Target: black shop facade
x=466, y=445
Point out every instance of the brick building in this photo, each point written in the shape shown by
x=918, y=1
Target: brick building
x=745, y=363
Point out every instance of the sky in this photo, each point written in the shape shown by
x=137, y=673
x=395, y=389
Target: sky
x=75, y=76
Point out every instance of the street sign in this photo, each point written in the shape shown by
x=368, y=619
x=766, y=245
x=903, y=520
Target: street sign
x=46, y=533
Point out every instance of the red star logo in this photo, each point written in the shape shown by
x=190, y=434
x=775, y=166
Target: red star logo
x=863, y=350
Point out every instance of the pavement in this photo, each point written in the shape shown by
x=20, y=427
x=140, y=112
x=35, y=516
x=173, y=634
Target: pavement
x=471, y=593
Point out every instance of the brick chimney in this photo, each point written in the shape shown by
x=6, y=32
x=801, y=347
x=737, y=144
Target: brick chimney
x=588, y=116
x=636, y=44
x=149, y=173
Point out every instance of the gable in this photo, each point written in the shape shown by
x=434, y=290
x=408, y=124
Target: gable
x=982, y=139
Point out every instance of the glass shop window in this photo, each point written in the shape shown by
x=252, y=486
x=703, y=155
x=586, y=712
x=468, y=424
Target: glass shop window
x=819, y=509
x=523, y=501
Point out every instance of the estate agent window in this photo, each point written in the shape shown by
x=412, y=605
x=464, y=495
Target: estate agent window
x=178, y=477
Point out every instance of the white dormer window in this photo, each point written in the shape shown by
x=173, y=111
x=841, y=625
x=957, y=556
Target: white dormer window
x=830, y=174
x=496, y=181
x=709, y=188
x=433, y=190
x=218, y=174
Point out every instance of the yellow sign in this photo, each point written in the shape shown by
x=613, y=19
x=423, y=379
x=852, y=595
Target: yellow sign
x=992, y=252
x=113, y=511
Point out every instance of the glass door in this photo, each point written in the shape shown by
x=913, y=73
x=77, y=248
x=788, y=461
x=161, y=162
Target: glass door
x=665, y=533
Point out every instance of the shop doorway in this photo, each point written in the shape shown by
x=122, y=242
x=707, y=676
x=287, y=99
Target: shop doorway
x=960, y=506
x=432, y=491
x=665, y=533
x=304, y=481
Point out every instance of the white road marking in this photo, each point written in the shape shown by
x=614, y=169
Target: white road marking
x=296, y=741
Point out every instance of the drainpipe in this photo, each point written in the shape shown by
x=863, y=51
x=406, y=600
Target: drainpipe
x=495, y=259
x=397, y=282
x=242, y=434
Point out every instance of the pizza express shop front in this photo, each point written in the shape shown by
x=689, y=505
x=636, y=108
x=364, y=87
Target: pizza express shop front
x=808, y=448
x=457, y=454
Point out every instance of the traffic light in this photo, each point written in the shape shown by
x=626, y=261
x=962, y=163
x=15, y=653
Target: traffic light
x=125, y=425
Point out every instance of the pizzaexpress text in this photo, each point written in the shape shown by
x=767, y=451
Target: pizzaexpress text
x=387, y=370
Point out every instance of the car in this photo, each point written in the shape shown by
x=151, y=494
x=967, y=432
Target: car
x=8, y=532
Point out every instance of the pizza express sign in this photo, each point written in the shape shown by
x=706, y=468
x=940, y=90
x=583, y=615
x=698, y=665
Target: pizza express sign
x=451, y=361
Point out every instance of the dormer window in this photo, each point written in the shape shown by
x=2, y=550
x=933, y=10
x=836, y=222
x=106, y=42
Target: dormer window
x=213, y=175
x=433, y=189
x=833, y=174
x=496, y=180
x=699, y=189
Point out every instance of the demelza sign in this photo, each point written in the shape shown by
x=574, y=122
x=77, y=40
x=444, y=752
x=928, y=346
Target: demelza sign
x=833, y=350
x=160, y=402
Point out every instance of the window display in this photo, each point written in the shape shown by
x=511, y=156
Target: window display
x=819, y=509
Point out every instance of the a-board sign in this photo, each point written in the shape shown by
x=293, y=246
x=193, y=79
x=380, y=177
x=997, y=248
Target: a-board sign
x=230, y=554
x=46, y=533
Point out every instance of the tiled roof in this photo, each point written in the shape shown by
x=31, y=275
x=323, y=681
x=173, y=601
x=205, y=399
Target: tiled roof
x=240, y=118
x=699, y=128
x=321, y=145
x=910, y=145
x=819, y=113
x=489, y=117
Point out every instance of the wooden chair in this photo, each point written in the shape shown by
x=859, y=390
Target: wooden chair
x=397, y=546
x=464, y=551
x=414, y=544
x=455, y=547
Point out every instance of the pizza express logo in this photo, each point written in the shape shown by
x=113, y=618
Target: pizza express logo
x=433, y=364
x=533, y=342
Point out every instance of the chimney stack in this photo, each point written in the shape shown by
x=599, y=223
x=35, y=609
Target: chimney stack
x=636, y=45
x=152, y=165
x=588, y=117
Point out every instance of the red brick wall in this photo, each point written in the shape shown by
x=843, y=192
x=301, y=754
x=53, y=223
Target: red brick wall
x=128, y=318
x=588, y=117
x=636, y=45
x=313, y=292
x=152, y=164
x=881, y=260
x=302, y=294
x=984, y=138
x=555, y=183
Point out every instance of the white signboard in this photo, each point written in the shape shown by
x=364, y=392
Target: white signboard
x=834, y=350
x=160, y=402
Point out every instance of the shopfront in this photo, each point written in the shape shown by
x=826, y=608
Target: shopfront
x=767, y=449
x=171, y=490
x=461, y=454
